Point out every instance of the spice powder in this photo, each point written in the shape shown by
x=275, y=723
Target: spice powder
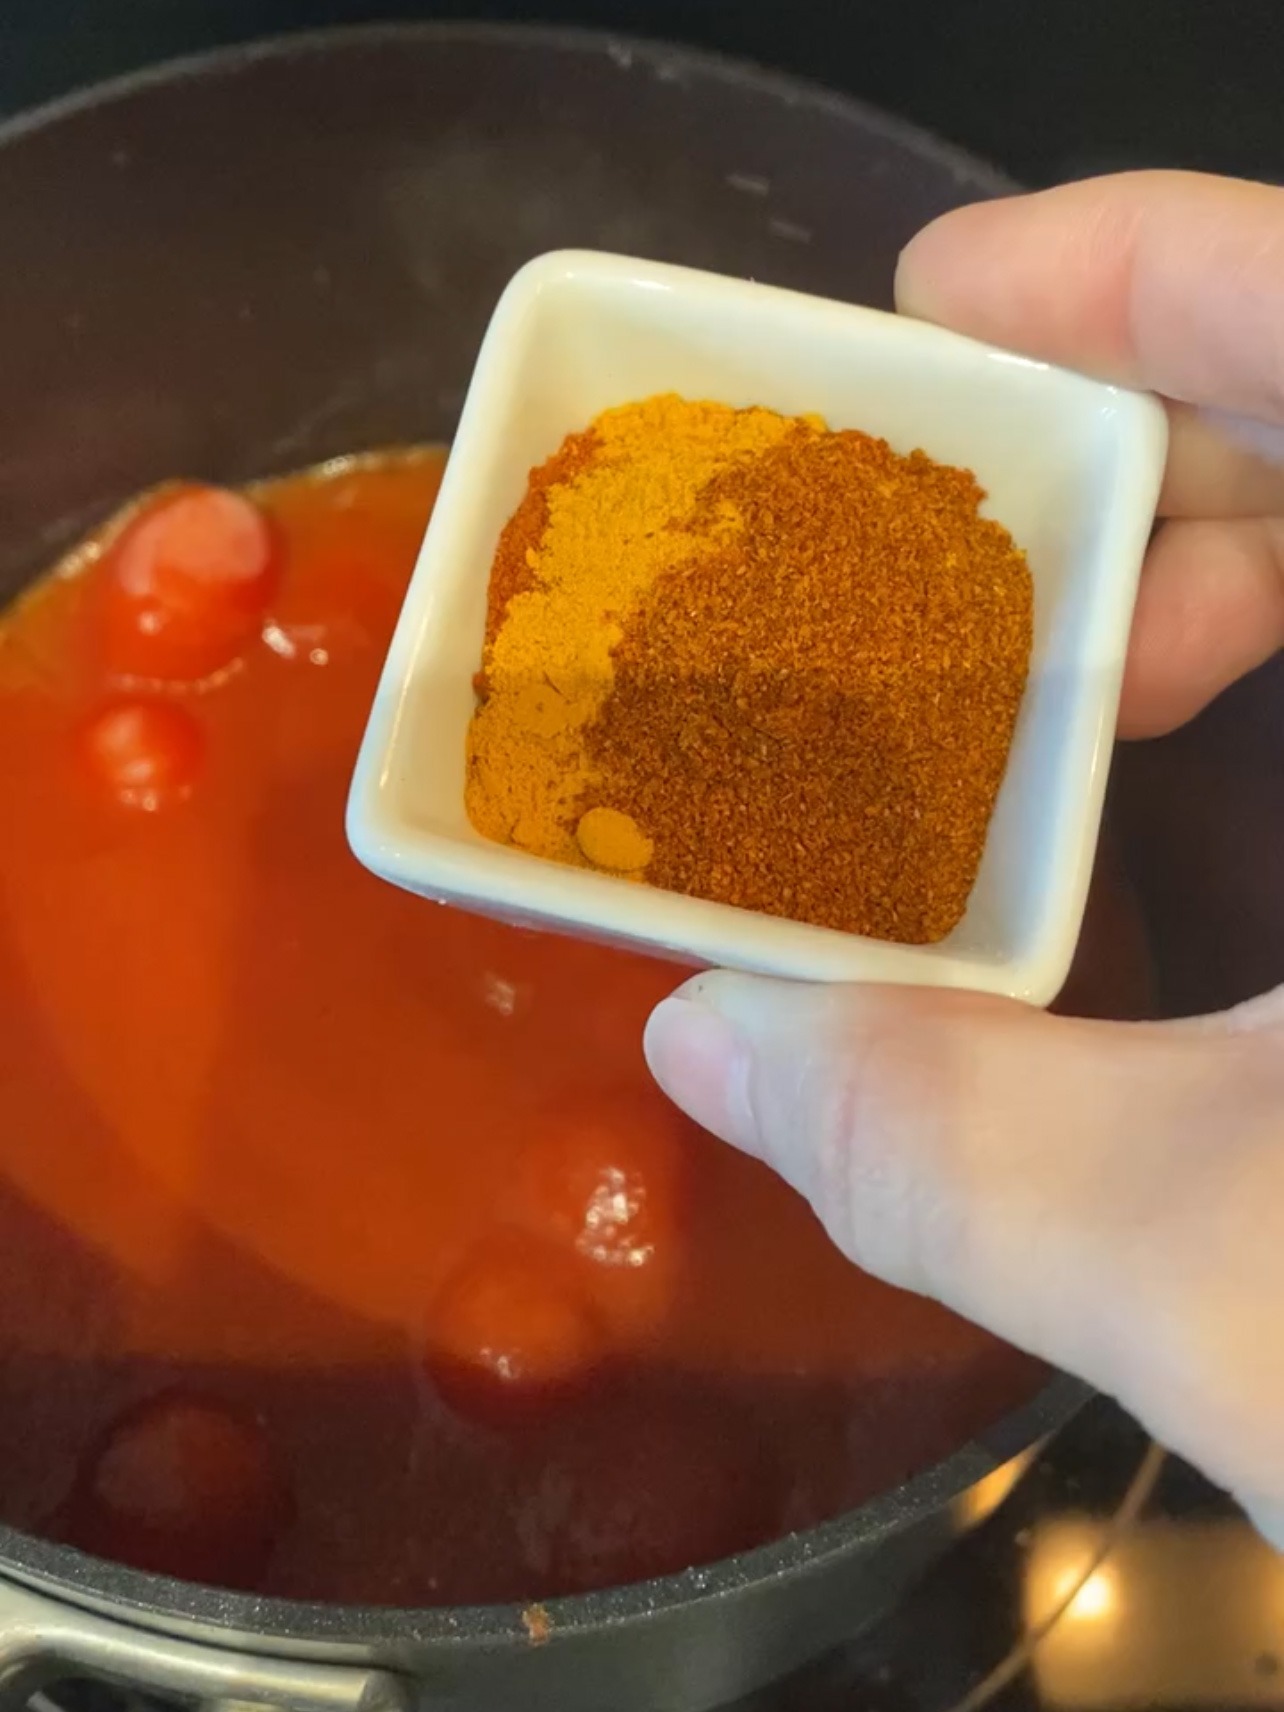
x=753, y=660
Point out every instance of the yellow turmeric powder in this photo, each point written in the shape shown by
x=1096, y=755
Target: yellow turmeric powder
x=614, y=841
x=558, y=601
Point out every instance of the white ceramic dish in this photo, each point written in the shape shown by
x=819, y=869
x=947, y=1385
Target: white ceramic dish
x=1072, y=468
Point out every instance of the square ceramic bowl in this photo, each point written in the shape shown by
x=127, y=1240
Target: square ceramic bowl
x=1072, y=468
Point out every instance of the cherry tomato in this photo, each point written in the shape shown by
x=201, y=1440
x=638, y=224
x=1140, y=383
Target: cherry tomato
x=510, y=1333
x=602, y=1179
x=182, y=1484
x=186, y=585
x=146, y=753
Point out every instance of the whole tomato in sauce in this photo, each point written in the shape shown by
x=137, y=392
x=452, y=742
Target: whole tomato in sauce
x=604, y=1179
x=186, y=585
x=144, y=754
x=511, y=1333
x=181, y=1484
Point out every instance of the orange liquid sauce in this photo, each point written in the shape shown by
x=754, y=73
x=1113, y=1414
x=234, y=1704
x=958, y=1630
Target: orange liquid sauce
x=257, y=1108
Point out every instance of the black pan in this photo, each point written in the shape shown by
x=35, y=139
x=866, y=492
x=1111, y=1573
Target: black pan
x=256, y=260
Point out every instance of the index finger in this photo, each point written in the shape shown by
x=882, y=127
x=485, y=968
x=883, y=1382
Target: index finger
x=1169, y=281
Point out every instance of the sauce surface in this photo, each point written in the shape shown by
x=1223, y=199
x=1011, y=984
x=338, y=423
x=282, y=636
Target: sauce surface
x=331, y=1216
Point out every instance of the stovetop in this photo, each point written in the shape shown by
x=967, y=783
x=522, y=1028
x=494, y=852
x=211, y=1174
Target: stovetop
x=1107, y=1575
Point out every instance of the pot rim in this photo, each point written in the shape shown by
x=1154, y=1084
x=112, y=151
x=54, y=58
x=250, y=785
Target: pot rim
x=95, y=1582
x=662, y=57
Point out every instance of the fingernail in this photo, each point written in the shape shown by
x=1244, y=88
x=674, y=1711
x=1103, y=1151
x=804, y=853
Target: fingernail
x=701, y=1061
x=912, y=282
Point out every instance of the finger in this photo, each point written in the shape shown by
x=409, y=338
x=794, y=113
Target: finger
x=1210, y=607
x=1162, y=280
x=1106, y=1196
x=1222, y=466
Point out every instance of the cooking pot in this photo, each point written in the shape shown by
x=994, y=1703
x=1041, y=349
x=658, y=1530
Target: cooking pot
x=256, y=260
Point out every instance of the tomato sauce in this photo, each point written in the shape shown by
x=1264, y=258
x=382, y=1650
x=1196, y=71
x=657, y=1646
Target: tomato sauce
x=346, y=1249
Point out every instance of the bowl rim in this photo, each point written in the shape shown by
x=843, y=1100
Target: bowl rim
x=1032, y=959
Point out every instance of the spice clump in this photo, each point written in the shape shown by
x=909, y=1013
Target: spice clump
x=756, y=661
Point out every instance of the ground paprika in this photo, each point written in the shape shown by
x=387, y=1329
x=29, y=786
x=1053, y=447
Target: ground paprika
x=788, y=661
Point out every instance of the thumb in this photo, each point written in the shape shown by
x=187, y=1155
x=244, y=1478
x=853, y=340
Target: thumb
x=1108, y=1196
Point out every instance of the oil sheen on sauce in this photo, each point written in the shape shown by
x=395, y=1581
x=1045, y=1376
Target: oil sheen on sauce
x=346, y=1250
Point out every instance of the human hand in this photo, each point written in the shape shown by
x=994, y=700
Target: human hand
x=1108, y=1196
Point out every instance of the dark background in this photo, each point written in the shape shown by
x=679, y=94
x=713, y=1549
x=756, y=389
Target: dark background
x=1046, y=88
